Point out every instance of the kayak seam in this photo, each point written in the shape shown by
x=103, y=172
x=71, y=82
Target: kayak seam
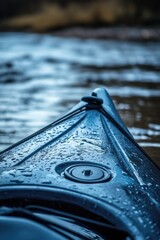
x=107, y=115
x=132, y=169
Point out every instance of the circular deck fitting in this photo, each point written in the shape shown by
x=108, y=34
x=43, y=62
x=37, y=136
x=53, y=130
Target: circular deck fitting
x=87, y=173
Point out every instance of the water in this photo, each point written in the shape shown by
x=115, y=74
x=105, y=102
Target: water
x=43, y=76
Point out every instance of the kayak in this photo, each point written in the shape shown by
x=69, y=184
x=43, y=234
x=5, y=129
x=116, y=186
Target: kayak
x=81, y=177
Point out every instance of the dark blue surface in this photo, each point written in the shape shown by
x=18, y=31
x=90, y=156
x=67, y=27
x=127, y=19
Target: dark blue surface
x=32, y=169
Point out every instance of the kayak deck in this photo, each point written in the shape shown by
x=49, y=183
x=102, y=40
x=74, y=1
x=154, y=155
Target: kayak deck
x=89, y=151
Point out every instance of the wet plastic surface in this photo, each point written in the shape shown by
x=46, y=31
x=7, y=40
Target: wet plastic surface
x=87, y=135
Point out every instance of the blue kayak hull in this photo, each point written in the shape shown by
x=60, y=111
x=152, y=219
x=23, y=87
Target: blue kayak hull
x=89, y=158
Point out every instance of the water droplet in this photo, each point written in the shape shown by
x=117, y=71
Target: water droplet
x=27, y=174
x=149, y=184
x=46, y=181
x=16, y=180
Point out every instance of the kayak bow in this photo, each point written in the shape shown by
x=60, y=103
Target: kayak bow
x=85, y=169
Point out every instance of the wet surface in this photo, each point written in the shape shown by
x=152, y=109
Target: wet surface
x=42, y=77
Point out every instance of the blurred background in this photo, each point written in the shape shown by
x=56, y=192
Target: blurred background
x=53, y=52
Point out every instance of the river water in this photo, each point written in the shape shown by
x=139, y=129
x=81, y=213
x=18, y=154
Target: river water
x=43, y=76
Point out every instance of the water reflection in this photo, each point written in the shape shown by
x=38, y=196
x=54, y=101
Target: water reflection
x=42, y=77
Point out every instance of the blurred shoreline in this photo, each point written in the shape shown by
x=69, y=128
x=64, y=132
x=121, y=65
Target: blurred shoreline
x=53, y=15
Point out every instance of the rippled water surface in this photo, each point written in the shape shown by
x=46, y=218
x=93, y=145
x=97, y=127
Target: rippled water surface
x=42, y=77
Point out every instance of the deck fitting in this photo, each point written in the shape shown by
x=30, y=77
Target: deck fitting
x=87, y=173
x=93, y=101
